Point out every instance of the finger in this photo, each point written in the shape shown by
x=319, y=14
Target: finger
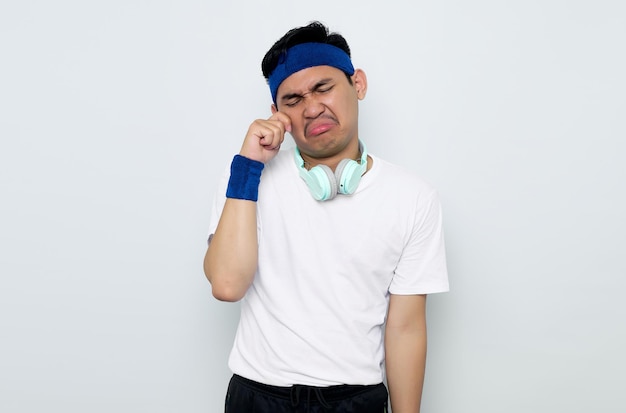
x=271, y=134
x=283, y=118
x=271, y=141
x=262, y=128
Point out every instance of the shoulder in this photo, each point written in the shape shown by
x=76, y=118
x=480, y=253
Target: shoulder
x=400, y=178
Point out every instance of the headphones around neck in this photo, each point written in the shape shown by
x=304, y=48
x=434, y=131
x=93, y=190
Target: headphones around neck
x=325, y=184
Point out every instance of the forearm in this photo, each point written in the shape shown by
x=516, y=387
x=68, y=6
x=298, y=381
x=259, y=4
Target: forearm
x=232, y=256
x=405, y=360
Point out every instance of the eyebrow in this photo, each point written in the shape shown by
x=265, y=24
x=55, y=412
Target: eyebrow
x=315, y=87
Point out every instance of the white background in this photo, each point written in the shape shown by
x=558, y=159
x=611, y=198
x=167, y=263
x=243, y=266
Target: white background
x=116, y=118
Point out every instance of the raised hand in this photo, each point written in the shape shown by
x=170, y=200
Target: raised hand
x=265, y=136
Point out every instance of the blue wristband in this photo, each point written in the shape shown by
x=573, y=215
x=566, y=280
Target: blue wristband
x=245, y=176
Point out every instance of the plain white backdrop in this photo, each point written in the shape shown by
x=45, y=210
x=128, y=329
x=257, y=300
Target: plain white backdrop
x=116, y=118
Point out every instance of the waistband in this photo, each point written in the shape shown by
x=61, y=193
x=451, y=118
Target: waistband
x=325, y=394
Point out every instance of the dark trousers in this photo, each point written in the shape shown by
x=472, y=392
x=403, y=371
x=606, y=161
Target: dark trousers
x=247, y=396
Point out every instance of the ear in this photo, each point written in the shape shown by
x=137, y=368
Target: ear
x=274, y=109
x=359, y=80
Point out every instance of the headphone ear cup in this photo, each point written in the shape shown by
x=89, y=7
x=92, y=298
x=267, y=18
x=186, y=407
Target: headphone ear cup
x=325, y=184
x=348, y=175
x=321, y=182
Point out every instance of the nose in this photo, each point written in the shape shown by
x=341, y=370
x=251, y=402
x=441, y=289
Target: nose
x=313, y=107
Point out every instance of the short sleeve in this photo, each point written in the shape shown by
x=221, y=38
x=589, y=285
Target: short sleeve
x=422, y=266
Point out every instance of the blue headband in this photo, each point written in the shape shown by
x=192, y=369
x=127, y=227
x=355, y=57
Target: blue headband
x=305, y=55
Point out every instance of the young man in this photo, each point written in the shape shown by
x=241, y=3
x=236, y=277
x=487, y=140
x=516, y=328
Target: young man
x=330, y=249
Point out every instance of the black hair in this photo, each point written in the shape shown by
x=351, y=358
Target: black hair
x=314, y=32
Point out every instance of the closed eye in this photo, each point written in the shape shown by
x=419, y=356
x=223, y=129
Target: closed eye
x=324, y=88
x=293, y=101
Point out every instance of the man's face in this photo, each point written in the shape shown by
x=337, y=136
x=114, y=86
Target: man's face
x=323, y=108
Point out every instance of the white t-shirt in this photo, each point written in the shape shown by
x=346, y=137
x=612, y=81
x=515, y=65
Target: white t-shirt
x=315, y=312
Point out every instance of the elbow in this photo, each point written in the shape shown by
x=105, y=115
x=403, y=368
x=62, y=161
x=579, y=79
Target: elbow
x=226, y=292
x=226, y=287
x=228, y=283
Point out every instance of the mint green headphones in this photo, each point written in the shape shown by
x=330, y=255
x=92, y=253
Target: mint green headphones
x=325, y=184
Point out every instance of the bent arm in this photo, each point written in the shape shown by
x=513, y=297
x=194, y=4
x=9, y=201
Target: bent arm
x=405, y=351
x=231, y=259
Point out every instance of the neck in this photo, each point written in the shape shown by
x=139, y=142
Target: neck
x=351, y=152
x=310, y=164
